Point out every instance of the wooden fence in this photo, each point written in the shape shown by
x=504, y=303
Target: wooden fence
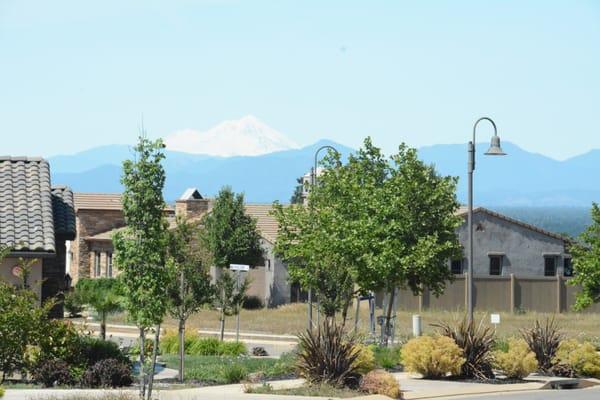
x=498, y=293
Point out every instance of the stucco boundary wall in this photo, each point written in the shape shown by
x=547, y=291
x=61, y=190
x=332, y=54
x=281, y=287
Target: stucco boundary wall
x=497, y=293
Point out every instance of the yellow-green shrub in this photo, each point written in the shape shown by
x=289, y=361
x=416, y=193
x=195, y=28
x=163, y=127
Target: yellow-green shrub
x=365, y=362
x=1, y=392
x=581, y=357
x=518, y=361
x=381, y=382
x=432, y=356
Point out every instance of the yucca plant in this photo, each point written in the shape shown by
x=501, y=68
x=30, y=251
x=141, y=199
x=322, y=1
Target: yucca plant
x=543, y=339
x=328, y=355
x=477, y=342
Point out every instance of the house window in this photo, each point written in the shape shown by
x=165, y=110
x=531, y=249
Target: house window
x=456, y=266
x=495, y=265
x=109, y=265
x=549, y=266
x=96, y=264
x=567, y=267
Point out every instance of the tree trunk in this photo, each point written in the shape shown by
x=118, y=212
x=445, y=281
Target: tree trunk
x=345, y=309
x=142, y=360
x=153, y=363
x=388, y=318
x=222, y=325
x=357, y=313
x=181, y=347
x=103, y=325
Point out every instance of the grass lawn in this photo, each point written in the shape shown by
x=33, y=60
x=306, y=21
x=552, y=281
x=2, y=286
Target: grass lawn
x=217, y=370
x=291, y=319
x=317, y=390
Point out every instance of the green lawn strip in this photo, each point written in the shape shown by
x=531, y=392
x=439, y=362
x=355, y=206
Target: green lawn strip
x=213, y=369
x=315, y=390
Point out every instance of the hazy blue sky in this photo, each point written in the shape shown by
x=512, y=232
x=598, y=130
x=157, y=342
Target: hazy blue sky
x=75, y=75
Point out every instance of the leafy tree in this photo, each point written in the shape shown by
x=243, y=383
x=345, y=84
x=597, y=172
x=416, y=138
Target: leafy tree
x=586, y=263
x=232, y=238
x=104, y=295
x=297, y=196
x=229, y=297
x=140, y=248
x=189, y=287
x=389, y=223
x=229, y=233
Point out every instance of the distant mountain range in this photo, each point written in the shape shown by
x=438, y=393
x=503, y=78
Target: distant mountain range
x=269, y=164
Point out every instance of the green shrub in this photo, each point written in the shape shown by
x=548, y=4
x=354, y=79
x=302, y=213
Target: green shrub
x=433, y=356
x=134, y=351
x=327, y=355
x=518, y=361
x=500, y=345
x=365, y=362
x=252, y=303
x=1, y=391
x=73, y=303
x=543, y=339
x=95, y=349
x=476, y=342
x=234, y=372
x=209, y=346
x=581, y=357
x=386, y=357
x=381, y=382
x=232, y=349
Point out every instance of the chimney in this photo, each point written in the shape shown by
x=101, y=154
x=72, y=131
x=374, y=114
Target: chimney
x=191, y=204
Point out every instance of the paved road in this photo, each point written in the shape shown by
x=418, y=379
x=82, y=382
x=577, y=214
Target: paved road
x=575, y=394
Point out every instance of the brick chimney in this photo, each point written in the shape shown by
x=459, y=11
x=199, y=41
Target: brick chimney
x=191, y=204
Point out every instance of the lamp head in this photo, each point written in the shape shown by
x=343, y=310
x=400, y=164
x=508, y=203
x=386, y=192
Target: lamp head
x=495, y=149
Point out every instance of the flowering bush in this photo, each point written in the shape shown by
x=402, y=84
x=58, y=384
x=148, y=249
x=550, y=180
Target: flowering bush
x=381, y=382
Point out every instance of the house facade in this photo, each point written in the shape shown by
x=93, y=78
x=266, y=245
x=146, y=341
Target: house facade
x=99, y=215
x=36, y=220
x=503, y=246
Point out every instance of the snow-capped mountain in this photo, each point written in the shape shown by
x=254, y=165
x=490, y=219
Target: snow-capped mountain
x=244, y=137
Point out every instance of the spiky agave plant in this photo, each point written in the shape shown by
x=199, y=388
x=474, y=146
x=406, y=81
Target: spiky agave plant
x=328, y=355
x=543, y=339
x=477, y=342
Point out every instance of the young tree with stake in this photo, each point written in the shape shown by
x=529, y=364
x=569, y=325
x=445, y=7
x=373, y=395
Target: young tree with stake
x=189, y=287
x=232, y=238
x=140, y=248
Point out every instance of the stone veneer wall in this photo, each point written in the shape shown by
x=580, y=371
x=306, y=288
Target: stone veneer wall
x=89, y=223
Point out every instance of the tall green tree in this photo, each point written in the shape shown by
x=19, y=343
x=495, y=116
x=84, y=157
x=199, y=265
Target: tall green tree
x=388, y=222
x=232, y=238
x=586, y=263
x=104, y=295
x=140, y=248
x=189, y=287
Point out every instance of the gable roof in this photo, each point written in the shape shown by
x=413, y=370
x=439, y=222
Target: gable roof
x=265, y=223
x=97, y=201
x=102, y=201
x=463, y=211
x=28, y=204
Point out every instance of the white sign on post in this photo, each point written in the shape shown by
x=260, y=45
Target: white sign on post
x=495, y=319
x=239, y=267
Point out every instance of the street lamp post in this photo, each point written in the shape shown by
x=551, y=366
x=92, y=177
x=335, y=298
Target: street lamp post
x=314, y=183
x=494, y=150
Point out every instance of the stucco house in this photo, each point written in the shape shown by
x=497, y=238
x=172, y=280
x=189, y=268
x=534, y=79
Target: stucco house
x=98, y=215
x=36, y=219
x=503, y=246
